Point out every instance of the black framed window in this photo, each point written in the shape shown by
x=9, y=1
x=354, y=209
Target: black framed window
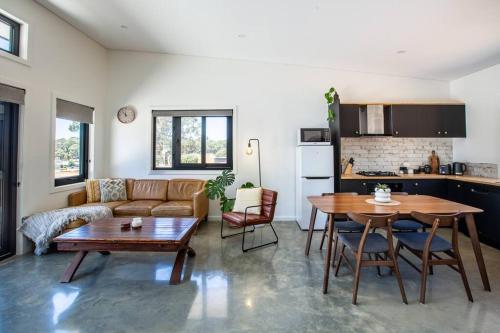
x=71, y=148
x=192, y=140
x=9, y=35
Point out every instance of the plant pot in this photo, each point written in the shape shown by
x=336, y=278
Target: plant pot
x=383, y=195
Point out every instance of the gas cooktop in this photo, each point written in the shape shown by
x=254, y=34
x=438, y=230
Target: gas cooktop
x=377, y=173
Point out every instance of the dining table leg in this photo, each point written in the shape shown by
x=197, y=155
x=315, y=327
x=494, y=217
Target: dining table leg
x=328, y=257
x=314, y=212
x=476, y=246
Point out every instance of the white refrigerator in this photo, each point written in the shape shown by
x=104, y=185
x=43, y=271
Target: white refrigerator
x=314, y=176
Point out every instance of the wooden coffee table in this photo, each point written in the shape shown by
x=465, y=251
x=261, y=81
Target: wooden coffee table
x=105, y=235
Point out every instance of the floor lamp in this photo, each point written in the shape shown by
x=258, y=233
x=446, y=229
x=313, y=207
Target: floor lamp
x=250, y=152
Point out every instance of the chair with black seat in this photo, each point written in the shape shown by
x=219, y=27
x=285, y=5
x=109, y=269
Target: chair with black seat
x=244, y=220
x=405, y=225
x=426, y=245
x=342, y=223
x=370, y=243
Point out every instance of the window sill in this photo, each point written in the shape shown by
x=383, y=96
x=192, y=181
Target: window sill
x=65, y=188
x=15, y=58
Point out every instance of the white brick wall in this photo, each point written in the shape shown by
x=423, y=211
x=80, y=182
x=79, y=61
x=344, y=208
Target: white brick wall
x=388, y=153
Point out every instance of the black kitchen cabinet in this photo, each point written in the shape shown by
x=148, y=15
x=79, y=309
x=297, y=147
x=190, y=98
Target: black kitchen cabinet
x=486, y=198
x=358, y=186
x=428, y=121
x=435, y=188
x=349, y=120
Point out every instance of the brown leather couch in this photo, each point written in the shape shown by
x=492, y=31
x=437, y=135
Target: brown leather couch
x=153, y=197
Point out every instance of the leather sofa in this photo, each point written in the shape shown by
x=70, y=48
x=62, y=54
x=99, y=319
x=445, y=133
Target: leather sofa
x=153, y=197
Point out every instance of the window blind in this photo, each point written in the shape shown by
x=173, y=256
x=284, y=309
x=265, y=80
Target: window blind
x=11, y=94
x=192, y=113
x=74, y=111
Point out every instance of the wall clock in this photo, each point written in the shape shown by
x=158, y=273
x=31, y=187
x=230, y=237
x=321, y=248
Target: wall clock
x=126, y=114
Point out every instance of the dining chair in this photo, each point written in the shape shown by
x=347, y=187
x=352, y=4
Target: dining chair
x=426, y=245
x=244, y=220
x=342, y=224
x=370, y=243
x=405, y=225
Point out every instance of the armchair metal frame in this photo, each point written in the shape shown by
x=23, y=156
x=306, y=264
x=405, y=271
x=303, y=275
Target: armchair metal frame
x=253, y=229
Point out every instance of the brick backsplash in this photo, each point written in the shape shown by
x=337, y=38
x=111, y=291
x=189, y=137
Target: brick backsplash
x=488, y=170
x=389, y=153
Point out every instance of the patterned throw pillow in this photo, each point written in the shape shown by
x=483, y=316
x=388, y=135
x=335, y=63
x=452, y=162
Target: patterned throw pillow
x=93, y=188
x=113, y=190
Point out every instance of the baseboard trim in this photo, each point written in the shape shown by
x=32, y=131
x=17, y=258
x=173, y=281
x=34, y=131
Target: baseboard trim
x=276, y=218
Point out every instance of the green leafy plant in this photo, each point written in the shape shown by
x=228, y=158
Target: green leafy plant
x=329, y=96
x=216, y=189
x=383, y=187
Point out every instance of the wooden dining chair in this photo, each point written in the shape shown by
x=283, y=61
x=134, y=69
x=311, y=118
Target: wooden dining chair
x=342, y=224
x=405, y=225
x=370, y=243
x=426, y=245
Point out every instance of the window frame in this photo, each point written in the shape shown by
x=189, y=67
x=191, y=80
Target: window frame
x=84, y=160
x=176, y=145
x=15, y=34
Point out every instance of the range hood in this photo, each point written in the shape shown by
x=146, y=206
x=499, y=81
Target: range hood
x=375, y=120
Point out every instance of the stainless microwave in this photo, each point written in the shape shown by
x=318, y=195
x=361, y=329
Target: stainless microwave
x=313, y=136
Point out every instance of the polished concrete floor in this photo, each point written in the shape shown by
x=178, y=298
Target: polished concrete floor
x=275, y=289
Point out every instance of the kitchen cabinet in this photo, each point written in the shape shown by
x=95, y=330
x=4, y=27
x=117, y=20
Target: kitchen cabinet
x=435, y=188
x=349, y=120
x=428, y=121
x=488, y=199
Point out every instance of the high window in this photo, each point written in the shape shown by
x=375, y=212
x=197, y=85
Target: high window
x=192, y=140
x=9, y=35
x=71, y=148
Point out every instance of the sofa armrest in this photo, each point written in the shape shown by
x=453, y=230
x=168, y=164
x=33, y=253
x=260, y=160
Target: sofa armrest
x=200, y=204
x=77, y=198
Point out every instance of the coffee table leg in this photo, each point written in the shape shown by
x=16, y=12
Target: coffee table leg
x=190, y=252
x=73, y=266
x=175, y=277
x=476, y=246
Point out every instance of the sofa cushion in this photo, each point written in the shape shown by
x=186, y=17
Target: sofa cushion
x=93, y=189
x=113, y=190
x=248, y=197
x=130, y=187
x=184, y=189
x=173, y=208
x=137, y=208
x=110, y=204
x=150, y=189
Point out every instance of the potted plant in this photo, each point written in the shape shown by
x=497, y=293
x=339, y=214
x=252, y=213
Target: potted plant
x=382, y=193
x=331, y=97
x=216, y=189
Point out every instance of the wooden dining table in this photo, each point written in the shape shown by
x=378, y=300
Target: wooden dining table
x=341, y=205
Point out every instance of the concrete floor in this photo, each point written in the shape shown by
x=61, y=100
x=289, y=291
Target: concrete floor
x=275, y=289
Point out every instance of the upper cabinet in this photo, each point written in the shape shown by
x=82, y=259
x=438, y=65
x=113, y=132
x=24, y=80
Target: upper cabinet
x=428, y=121
x=410, y=120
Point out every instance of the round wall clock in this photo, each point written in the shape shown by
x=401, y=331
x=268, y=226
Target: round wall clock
x=126, y=114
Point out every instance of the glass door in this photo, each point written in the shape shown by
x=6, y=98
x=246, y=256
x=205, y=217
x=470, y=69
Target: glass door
x=8, y=178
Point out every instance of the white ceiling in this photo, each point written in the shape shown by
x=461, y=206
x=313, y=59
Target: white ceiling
x=443, y=39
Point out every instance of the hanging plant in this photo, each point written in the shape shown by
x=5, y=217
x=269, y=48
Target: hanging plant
x=329, y=96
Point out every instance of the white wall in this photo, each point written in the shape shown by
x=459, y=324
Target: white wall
x=63, y=60
x=272, y=101
x=481, y=93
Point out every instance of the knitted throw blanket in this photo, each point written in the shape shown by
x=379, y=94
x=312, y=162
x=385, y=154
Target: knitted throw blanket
x=41, y=228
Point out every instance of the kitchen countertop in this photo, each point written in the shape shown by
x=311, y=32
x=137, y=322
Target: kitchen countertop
x=470, y=179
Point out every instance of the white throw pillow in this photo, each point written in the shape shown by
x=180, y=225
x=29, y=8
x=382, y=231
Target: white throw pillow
x=248, y=197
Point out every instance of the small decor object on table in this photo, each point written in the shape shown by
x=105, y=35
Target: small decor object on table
x=382, y=193
x=125, y=225
x=136, y=222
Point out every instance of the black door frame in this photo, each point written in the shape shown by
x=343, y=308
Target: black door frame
x=10, y=154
